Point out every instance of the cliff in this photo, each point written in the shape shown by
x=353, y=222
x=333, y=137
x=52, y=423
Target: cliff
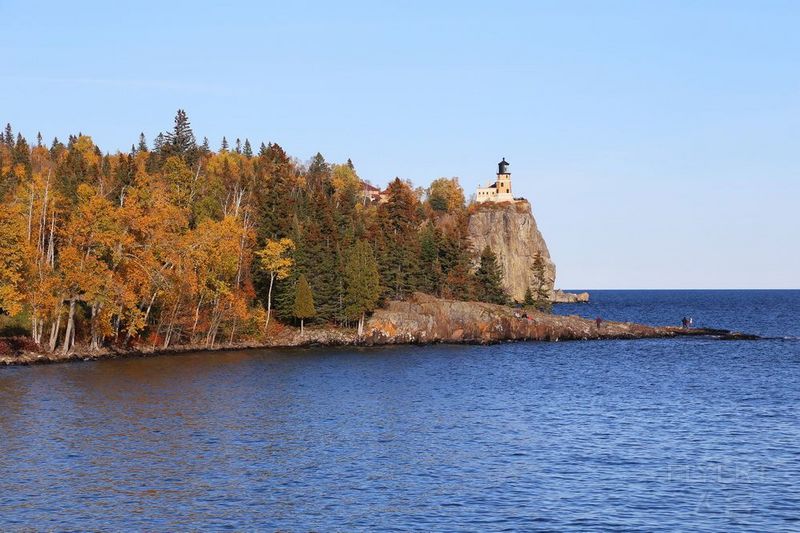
x=425, y=319
x=510, y=230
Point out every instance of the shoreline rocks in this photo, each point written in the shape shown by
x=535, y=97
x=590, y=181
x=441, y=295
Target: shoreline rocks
x=423, y=319
x=561, y=297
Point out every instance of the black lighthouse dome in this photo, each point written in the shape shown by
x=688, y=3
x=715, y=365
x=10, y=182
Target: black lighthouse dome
x=502, y=167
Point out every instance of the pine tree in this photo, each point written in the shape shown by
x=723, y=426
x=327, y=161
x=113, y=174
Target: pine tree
x=142, y=143
x=490, y=278
x=224, y=146
x=180, y=141
x=540, y=294
x=318, y=176
x=55, y=148
x=303, y=302
x=205, y=148
x=39, y=140
x=8, y=138
x=362, y=281
x=22, y=152
x=431, y=275
x=159, y=143
x=398, y=220
x=248, y=150
x=528, y=299
x=238, y=148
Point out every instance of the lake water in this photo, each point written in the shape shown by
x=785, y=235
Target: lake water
x=689, y=434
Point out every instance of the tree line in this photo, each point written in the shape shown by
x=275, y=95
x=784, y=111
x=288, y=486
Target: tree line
x=175, y=243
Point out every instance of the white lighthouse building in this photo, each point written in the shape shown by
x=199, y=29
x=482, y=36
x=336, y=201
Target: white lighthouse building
x=500, y=190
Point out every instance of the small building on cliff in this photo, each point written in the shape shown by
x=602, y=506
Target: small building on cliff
x=500, y=190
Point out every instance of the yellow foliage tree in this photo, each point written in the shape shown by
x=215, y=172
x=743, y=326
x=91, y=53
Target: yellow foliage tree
x=275, y=259
x=12, y=260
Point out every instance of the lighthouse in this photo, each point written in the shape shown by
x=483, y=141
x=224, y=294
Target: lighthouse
x=500, y=190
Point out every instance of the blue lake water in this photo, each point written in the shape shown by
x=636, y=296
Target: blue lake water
x=676, y=434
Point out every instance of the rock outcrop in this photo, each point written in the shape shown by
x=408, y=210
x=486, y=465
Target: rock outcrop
x=425, y=319
x=561, y=297
x=510, y=230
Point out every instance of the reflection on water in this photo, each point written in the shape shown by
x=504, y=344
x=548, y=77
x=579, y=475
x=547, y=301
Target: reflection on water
x=678, y=434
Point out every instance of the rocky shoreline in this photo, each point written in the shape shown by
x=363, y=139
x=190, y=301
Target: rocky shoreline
x=422, y=319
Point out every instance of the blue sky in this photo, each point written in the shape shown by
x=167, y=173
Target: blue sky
x=659, y=142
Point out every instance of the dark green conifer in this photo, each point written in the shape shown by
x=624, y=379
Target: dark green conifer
x=528, y=299
x=362, y=281
x=431, y=275
x=490, y=278
x=180, y=141
x=540, y=293
x=398, y=220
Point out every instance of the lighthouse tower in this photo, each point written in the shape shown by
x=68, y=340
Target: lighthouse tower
x=500, y=190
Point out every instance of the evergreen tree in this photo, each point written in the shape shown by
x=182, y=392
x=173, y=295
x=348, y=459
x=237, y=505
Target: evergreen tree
x=362, y=281
x=431, y=275
x=528, y=299
x=8, y=137
x=398, y=220
x=180, y=141
x=224, y=146
x=455, y=256
x=159, y=142
x=490, y=278
x=540, y=295
x=303, y=302
x=318, y=175
x=238, y=148
x=248, y=150
x=142, y=143
x=205, y=148
x=55, y=148
x=39, y=140
x=274, y=202
x=22, y=153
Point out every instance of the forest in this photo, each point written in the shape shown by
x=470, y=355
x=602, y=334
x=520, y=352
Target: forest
x=174, y=243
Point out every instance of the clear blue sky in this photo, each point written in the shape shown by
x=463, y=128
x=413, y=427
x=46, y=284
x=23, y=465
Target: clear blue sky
x=659, y=142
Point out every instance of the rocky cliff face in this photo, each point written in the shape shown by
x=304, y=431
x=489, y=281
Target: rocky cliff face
x=510, y=230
